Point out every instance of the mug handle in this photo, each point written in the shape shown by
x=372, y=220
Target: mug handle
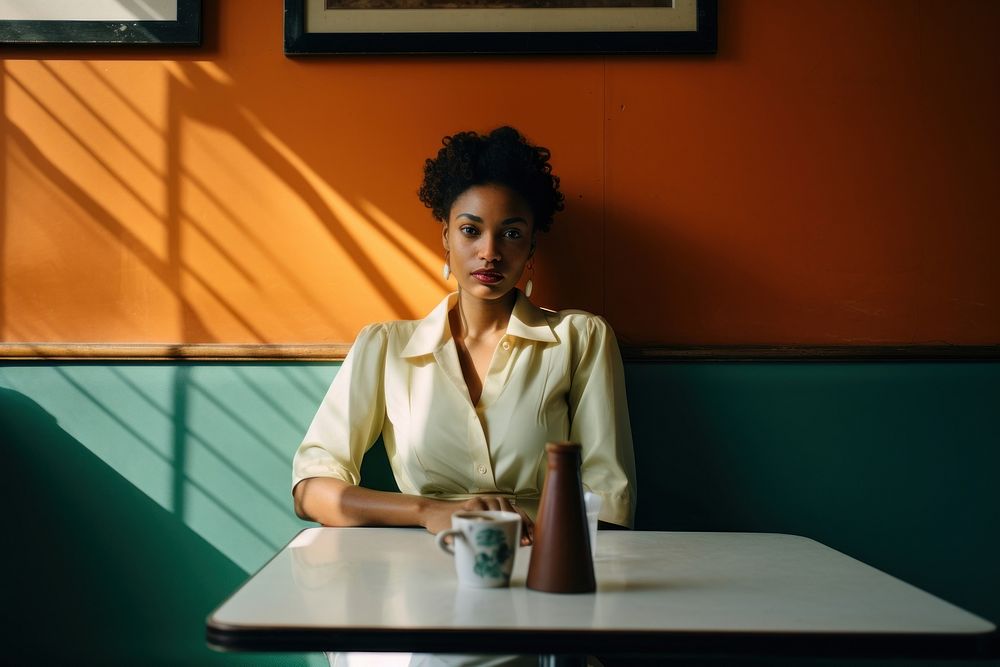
x=443, y=535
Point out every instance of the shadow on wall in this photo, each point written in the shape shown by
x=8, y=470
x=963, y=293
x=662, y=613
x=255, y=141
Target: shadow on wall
x=98, y=572
x=210, y=445
x=221, y=230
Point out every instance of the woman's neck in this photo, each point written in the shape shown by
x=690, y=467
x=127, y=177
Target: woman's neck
x=480, y=318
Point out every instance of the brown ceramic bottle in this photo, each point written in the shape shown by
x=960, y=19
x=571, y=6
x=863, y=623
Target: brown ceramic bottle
x=560, y=557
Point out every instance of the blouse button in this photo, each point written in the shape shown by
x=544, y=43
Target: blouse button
x=505, y=345
x=482, y=470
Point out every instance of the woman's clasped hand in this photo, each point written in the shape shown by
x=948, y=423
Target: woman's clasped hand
x=441, y=520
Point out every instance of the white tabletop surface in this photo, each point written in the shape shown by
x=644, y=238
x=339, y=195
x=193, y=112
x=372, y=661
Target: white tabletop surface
x=344, y=579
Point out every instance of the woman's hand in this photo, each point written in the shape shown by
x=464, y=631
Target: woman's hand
x=438, y=516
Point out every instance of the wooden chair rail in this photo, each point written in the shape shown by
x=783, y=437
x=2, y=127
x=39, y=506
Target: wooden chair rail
x=636, y=353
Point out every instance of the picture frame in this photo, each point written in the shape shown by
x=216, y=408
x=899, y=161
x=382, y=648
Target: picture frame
x=106, y=22
x=316, y=27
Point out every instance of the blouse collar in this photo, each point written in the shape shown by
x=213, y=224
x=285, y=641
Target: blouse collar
x=527, y=321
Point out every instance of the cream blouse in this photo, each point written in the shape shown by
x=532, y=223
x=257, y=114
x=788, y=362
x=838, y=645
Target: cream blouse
x=554, y=376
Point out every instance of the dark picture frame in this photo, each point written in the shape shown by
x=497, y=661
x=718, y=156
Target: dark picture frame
x=301, y=40
x=185, y=31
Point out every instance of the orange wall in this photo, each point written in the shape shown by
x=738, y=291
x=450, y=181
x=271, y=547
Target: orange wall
x=828, y=178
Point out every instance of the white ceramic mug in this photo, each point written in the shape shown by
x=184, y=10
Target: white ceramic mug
x=484, y=545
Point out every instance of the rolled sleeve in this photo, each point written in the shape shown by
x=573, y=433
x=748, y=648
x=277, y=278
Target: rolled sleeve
x=351, y=416
x=600, y=422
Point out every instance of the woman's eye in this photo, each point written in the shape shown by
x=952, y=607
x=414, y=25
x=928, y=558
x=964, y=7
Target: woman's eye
x=468, y=230
x=512, y=234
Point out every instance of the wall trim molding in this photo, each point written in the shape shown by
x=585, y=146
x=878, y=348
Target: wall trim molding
x=125, y=352
x=665, y=353
x=169, y=352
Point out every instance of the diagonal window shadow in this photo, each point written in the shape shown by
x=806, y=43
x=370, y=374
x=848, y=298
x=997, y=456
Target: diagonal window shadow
x=250, y=384
x=127, y=581
x=202, y=102
x=209, y=493
x=183, y=379
x=157, y=267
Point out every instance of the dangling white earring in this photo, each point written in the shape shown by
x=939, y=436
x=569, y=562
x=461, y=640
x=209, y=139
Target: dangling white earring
x=446, y=271
x=528, y=286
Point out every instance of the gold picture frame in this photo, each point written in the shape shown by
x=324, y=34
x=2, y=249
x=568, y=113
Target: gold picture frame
x=499, y=26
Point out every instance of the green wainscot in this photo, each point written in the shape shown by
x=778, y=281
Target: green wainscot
x=140, y=495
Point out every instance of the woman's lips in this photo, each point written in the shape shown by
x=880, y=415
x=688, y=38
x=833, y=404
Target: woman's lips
x=488, y=277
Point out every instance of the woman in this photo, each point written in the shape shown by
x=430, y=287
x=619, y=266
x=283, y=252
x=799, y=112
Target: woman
x=466, y=398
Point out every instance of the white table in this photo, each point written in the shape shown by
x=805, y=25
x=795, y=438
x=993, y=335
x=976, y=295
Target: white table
x=392, y=589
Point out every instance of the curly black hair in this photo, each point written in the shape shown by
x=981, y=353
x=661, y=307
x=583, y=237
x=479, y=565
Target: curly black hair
x=503, y=157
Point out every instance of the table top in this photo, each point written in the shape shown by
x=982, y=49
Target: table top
x=378, y=589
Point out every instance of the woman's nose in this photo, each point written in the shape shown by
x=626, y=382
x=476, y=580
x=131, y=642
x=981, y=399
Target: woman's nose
x=488, y=250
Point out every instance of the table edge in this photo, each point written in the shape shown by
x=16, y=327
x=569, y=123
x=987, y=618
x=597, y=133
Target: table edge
x=982, y=645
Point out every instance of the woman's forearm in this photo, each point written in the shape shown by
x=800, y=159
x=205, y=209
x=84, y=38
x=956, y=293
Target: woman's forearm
x=334, y=502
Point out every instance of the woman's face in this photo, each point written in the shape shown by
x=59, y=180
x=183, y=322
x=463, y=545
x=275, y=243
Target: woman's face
x=489, y=237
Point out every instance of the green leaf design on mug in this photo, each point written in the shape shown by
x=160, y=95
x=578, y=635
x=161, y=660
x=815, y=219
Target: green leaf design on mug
x=503, y=553
x=487, y=566
x=490, y=538
x=491, y=564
